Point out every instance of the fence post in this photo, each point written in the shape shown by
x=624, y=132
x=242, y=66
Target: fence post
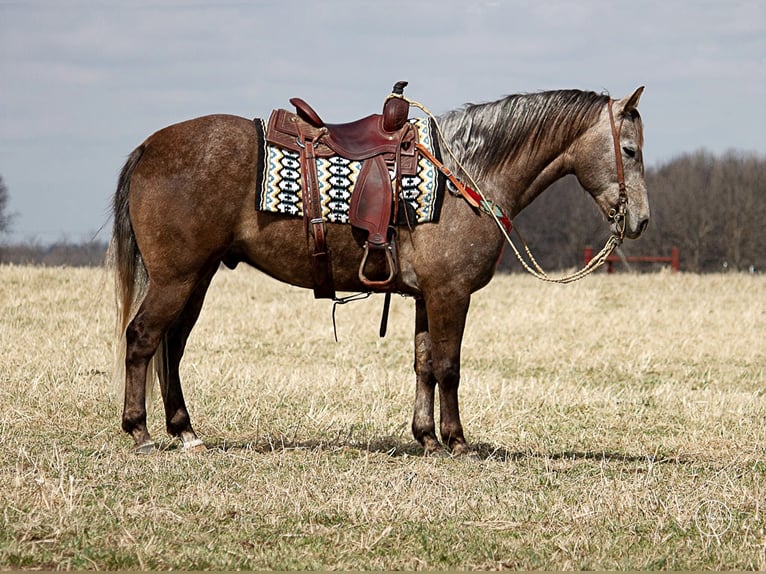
x=588, y=255
x=675, y=260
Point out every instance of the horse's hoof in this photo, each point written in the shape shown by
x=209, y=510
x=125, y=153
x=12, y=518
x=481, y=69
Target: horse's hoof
x=435, y=452
x=432, y=448
x=439, y=453
x=469, y=455
x=193, y=446
x=462, y=450
x=144, y=448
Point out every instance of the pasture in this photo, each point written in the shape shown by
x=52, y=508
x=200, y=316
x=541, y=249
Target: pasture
x=619, y=423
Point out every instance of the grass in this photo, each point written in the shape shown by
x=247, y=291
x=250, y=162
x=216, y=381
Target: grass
x=619, y=423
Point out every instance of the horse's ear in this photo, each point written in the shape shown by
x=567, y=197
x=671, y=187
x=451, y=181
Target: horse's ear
x=629, y=104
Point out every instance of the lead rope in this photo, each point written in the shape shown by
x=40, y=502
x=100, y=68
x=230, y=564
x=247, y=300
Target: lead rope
x=496, y=212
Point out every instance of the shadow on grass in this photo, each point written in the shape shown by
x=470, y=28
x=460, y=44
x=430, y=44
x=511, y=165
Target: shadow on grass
x=390, y=445
x=395, y=446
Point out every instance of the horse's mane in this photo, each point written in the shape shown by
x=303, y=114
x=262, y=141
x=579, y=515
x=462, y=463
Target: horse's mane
x=485, y=136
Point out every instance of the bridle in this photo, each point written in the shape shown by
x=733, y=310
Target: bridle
x=617, y=215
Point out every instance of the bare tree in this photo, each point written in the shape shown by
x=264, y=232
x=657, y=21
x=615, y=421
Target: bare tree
x=5, y=217
x=711, y=207
x=743, y=198
x=681, y=196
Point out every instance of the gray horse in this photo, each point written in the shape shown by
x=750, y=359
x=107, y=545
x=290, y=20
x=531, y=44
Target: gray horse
x=185, y=203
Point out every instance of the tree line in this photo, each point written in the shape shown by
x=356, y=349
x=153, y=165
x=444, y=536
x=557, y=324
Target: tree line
x=83, y=254
x=713, y=208
x=68, y=253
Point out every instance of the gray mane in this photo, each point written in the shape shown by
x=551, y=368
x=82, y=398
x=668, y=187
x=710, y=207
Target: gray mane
x=485, y=136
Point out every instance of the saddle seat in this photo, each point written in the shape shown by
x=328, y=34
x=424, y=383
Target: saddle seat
x=362, y=139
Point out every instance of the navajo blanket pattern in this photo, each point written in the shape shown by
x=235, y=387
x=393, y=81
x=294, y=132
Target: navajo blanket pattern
x=280, y=185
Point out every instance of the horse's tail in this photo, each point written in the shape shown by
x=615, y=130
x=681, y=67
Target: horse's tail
x=130, y=276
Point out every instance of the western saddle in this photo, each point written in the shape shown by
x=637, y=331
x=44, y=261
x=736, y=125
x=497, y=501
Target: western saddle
x=385, y=145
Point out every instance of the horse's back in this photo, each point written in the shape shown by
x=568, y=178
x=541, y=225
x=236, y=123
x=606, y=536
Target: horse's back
x=224, y=135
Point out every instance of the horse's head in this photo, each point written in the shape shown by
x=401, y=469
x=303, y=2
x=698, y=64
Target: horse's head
x=609, y=164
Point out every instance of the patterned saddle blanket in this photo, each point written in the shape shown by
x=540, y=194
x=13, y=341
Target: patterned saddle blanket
x=280, y=185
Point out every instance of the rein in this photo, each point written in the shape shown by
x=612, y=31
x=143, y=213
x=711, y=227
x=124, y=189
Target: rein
x=475, y=197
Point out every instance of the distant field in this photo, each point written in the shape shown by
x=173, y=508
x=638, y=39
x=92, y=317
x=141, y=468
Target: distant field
x=621, y=423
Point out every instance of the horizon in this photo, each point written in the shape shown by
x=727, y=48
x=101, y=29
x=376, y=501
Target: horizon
x=86, y=82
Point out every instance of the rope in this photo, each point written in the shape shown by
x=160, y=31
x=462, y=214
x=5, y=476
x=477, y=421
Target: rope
x=497, y=213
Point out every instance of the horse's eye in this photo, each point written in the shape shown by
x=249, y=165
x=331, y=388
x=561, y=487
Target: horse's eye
x=629, y=151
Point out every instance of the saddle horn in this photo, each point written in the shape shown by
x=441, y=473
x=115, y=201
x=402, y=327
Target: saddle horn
x=396, y=110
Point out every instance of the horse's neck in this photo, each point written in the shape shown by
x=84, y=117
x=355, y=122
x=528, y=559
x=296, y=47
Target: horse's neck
x=518, y=182
x=539, y=173
x=515, y=177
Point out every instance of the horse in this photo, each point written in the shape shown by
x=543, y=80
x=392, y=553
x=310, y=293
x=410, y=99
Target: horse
x=185, y=204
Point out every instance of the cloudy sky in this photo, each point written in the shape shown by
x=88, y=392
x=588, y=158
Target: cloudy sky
x=84, y=82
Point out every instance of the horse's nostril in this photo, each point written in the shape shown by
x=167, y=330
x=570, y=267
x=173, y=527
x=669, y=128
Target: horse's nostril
x=642, y=225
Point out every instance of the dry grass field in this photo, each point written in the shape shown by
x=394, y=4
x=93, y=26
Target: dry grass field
x=620, y=423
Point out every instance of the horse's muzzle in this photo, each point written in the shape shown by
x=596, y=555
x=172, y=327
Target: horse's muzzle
x=633, y=229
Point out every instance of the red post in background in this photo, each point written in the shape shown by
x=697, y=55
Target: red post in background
x=588, y=255
x=674, y=260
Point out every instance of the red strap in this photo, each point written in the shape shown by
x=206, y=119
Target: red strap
x=471, y=196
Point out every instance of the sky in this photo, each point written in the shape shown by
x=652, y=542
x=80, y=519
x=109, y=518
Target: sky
x=83, y=82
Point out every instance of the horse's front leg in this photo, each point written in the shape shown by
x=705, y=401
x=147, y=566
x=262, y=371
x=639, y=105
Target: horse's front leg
x=440, y=336
x=446, y=320
x=423, y=426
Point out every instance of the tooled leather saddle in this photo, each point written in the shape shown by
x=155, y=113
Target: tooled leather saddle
x=385, y=144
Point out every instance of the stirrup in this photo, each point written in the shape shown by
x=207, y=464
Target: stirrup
x=386, y=247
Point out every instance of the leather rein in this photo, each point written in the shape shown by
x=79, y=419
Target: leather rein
x=476, y=198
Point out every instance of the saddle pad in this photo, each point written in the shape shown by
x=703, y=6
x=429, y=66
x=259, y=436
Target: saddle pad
x=280, y=185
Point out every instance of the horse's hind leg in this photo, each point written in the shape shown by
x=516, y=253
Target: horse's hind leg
x=160, y=307
x=177, y=419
